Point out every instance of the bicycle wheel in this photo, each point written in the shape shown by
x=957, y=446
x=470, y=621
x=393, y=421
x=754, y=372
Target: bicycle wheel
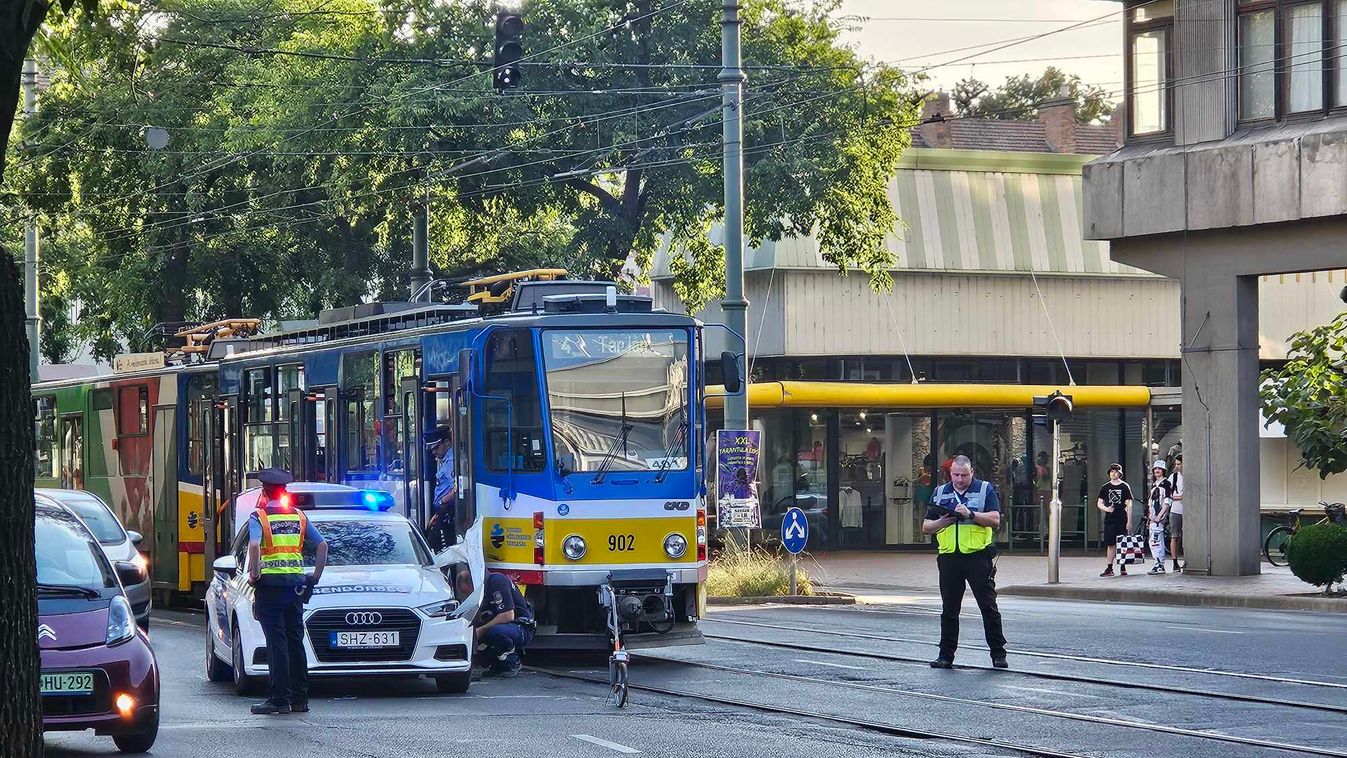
x=1274, y=546
x=617, y=680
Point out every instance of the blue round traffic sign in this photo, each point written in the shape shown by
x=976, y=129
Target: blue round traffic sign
x=794, y=531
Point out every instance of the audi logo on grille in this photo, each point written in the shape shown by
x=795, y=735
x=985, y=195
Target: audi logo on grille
x=365, y=618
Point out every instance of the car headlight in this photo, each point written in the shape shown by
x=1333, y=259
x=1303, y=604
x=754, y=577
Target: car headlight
x=440, y=608
x=574, y=547
x=142, y=562
x=675, y=546
x=121, y=622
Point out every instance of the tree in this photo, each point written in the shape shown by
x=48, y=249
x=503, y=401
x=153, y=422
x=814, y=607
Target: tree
x=1019, y=97
x=301, y=137
x=1308, y=395
x=21, y=708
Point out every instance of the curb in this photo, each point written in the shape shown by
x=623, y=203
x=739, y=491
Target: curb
x=1159, y=597
x=829, y=599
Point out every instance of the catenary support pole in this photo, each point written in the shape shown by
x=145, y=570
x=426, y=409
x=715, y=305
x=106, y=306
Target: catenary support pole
x=1055, y=507
x=31, y=293
x=734, y=305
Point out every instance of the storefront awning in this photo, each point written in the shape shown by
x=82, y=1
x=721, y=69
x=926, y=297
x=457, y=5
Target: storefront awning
x=878, y=396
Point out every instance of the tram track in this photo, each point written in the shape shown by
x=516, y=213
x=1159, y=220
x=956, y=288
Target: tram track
x=1022, y=709
x=1046, y=654
x=880, y=727
x=1234, y=696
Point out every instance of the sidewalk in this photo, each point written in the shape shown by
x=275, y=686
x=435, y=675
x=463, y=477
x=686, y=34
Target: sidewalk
x=1026, y=575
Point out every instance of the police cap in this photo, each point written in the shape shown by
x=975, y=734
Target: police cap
x=437, y=435
x=274, y=477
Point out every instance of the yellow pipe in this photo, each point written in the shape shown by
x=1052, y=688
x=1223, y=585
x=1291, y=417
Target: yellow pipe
x=863, y=395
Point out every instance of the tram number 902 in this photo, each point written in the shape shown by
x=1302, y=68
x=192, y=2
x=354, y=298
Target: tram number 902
x=621, y=543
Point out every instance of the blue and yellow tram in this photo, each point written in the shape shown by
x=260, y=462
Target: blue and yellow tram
x=577, y=417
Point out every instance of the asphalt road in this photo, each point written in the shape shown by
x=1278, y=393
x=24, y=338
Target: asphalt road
x=1291, y=659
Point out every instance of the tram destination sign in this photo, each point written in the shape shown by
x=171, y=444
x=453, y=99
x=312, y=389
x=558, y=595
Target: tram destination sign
x=129, y=362
x=737, y=456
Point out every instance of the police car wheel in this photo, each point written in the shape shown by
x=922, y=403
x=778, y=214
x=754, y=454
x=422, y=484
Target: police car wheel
x=216, y=669
x=243, y=684
x=456, y=683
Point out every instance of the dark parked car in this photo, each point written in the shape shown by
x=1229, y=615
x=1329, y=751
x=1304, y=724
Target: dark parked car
x=118, y=543
x=98, y=670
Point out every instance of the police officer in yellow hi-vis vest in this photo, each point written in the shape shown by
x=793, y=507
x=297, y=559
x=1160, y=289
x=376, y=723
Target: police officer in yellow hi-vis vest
x=964, y=516
x=277, y=535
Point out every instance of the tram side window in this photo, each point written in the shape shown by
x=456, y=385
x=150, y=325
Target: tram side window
x=133, y=412
x=360, y=392
x=259, y=434
x=101, y=405
x=512, y=375
x=47, y=453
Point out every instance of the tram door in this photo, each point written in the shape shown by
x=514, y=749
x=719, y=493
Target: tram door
x=320, y=435
x=299, y=428
x=164, y=499
x=418, y=477
x=461, y=416
x=223, y=478
x=210, y=482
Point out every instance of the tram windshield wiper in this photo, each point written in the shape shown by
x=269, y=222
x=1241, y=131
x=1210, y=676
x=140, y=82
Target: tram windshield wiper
x=611, y=455
x=674, y=448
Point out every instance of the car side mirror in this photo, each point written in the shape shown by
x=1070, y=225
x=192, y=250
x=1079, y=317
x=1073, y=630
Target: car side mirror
x=136, y=537
x=129, y=573
x=227, y=565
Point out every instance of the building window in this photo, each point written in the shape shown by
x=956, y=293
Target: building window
x=1288, y=61
x=1149, y=33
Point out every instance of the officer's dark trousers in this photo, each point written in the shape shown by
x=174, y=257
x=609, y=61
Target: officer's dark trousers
x=978, y=571
x=281, y=614
x=503, y=643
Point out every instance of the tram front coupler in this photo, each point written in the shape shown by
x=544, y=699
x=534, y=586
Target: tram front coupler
x=642, y=599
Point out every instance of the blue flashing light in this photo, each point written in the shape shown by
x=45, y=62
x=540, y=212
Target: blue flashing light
x=378, y=500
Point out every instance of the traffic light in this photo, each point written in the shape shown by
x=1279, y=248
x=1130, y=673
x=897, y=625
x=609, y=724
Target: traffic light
x=509, y=50
x=1057, y=406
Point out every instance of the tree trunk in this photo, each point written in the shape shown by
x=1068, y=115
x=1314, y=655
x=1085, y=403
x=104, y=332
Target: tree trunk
x=21, y=706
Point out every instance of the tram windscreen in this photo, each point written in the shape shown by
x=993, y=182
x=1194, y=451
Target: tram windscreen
x=618, y=398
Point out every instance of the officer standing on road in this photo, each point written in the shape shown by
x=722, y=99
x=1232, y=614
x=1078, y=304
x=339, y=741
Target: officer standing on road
x=964, y=515
x=440, y=528
x=505, y=623
x=277, y=535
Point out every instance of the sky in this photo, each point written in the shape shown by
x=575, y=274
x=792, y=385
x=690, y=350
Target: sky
x=920, y=33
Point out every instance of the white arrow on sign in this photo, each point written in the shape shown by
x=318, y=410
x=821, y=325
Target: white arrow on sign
x=796, y=527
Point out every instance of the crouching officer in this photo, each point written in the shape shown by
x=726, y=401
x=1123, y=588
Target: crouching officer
x=277, y=535
x=504, y=623
x=964, y=515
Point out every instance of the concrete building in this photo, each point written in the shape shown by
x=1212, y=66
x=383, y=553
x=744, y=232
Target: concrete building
x=1233, y=176
x=994, y=283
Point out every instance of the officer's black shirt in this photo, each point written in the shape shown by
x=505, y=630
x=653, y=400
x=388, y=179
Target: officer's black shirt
x=501, y=595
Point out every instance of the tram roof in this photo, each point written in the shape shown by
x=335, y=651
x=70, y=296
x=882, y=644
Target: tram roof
x=173, y=369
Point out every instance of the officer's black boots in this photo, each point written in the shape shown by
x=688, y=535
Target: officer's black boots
x=942, y=663
x=268, y=708
x=1000, y=663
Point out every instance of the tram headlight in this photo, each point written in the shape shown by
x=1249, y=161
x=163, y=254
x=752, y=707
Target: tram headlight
x=675, y=546
x=574, y=547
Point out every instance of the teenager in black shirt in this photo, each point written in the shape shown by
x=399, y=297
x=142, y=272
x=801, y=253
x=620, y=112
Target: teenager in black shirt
x=1115, y=502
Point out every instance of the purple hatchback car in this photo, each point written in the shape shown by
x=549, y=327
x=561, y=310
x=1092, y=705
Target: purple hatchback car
x=98, y=671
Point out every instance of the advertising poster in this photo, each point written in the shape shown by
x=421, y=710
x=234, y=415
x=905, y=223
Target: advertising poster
x=737, y=457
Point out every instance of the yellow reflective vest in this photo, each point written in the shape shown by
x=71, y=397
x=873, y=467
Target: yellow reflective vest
x=282, y=544
x=964, y=536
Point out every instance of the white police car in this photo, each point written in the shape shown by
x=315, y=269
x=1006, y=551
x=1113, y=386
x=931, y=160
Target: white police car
x=385, y=604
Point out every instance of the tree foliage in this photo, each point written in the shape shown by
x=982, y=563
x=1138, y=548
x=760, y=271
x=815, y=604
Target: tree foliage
x=1308, y=395
x=1019, y=97
x=1317, y=554
x=301, y=136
